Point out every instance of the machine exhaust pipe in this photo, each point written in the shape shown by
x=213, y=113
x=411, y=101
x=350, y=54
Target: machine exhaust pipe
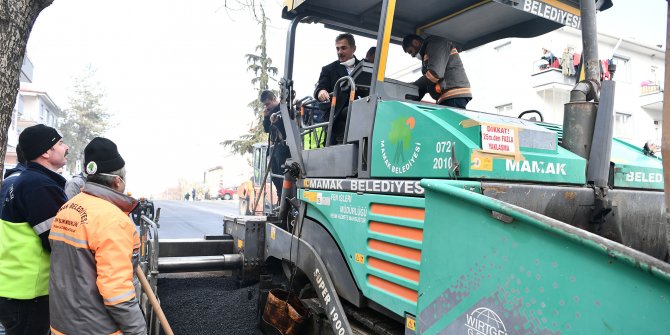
x=585, y=90
x=200, y=263
x=579, y=118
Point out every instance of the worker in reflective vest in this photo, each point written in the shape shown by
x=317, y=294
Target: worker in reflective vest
x=94, y=245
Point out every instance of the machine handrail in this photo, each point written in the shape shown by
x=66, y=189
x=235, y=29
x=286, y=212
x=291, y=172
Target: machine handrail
x=149, y=228
x=333, y=103
x=314, y=126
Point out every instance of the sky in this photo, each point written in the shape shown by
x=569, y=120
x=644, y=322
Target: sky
x=175, y=76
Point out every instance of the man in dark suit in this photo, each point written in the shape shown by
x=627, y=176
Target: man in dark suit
x=345, y=45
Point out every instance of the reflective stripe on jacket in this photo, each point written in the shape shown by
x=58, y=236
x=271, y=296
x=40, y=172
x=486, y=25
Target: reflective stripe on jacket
x=442, y=66
x=93, y=241
x=29, y=202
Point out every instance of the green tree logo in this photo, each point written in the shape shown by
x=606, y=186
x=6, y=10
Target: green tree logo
x=401, y=136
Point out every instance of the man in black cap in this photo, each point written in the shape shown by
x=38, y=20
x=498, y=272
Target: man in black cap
x=29, y=203
x=94, y=244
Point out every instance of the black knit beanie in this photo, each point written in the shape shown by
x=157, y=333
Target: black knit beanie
x=36, y=140
x=19, y=155
x=101, y=156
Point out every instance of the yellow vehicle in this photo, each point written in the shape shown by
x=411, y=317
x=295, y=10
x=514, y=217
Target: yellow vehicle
x=249, y=190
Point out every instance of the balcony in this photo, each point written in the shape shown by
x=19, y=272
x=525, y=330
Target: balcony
x=550, y=77
x=651, y=96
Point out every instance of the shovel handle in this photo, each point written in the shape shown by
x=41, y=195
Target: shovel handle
x=154, y=302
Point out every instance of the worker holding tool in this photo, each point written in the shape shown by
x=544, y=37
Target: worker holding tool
x=274, y=126
x=93, y=247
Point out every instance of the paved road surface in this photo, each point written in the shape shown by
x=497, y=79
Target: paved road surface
x=191, y=219
x=209, y=302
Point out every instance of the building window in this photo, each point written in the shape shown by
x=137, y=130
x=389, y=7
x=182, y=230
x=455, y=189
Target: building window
x=43, y=114
x=622, y=72
x=652, y=73
x=504, y=109
x=622, y=125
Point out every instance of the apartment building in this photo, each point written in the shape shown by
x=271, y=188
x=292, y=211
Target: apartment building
x=33, y=106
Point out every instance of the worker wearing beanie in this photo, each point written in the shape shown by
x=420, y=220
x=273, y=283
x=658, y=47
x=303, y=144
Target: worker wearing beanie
x=29, y=203
x=93, y=243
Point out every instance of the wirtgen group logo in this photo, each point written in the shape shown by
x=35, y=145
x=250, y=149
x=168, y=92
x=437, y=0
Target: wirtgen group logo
x=398, y=153
x=483, y=321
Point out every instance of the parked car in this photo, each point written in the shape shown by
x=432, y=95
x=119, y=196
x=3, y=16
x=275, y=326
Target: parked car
x=226, y=193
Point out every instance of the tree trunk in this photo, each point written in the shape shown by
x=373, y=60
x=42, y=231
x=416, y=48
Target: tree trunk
x=16, y=21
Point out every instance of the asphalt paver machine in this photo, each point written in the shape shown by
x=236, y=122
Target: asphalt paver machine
x=452, y=221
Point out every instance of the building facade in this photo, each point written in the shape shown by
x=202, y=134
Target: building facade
x=508, y=77
x=33, y=106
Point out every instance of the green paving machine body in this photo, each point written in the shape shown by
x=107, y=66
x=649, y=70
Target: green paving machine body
x=443, y=252
x=460, y=222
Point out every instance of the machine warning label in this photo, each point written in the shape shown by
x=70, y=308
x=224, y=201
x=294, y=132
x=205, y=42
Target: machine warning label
x=481, y=163
x=498, y=139
x=410, y=323
x=552, y=10
x=310, y=196
x=321, y=200
x=537, y=167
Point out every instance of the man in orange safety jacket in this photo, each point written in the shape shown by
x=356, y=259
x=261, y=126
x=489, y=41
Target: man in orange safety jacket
x=93, y=244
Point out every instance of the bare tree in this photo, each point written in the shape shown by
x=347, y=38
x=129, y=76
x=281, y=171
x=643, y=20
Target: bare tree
x=253, y=6
x=261, y=65
x=17, y=18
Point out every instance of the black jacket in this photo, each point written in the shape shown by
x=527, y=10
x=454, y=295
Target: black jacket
x=444, y=74
x=330, y=74
x=327, y=79
x=274, y=129
x=34, y=197
x=13, y=172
